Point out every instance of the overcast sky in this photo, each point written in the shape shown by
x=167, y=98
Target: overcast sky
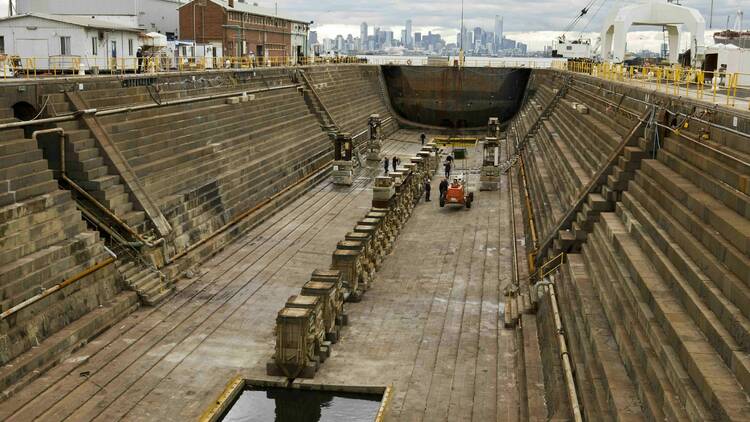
x=532, y=21
x=526, y=20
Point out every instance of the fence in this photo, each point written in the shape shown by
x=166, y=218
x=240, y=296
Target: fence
x=717, y=87
x=36, y=67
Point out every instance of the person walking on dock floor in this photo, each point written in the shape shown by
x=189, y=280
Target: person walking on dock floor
x=385, y=164
x=422, y=138
x=427, y=189
x=443, y=188
x=447, y=166
x=395, y=163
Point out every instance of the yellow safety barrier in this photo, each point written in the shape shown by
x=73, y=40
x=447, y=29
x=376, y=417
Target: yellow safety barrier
x=730, y=89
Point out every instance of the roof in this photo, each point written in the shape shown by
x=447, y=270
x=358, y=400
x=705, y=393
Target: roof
x=86, y=22
x=248, y=6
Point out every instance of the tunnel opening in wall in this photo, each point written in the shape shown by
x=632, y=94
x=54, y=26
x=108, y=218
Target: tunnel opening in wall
x=454, y=98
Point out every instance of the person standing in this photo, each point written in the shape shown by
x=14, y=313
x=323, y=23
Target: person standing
x=427, y=188
x=139, y=56
x=422, y=138
x=385, y=164
x=443, y=188
x=395, y=163
x=447, y=166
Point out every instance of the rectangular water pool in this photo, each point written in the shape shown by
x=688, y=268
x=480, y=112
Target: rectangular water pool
x=279, y=404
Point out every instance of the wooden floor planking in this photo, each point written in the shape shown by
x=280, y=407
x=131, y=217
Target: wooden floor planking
x=429, y=326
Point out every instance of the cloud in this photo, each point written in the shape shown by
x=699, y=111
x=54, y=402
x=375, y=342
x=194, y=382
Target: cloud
x=534, y=22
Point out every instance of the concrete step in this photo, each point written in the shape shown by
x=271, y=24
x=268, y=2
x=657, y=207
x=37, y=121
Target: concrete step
x=732, y=226
x=684, y=241
x=729, y=187
x=714, y=380
x=86, y=165
x=33, y=190
x=32, y=364
x=100, y=183
x=42, y=237
x=134, y=219
x=639, y=349
x=705, y=312
x=14, y=171
x=17, y=146
x=608, y=391
x=80, y=176
x=22, y=157
x=87, y=154
x=109, y=193
x=76, y=258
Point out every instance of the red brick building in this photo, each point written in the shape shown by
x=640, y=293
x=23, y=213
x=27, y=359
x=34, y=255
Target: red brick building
x=241, y=28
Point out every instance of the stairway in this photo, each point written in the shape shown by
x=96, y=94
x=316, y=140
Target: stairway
x=140, y=276
x=85, y=165
x=316, y=106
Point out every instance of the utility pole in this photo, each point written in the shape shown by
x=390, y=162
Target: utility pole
x=711, y=16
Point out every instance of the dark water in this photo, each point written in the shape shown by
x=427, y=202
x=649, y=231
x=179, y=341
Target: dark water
x=290, y=405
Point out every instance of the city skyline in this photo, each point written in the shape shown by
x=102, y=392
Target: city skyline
x=477, y=41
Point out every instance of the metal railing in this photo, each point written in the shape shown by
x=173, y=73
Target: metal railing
x=511, y=62
x=50, y=66
x=731, y=89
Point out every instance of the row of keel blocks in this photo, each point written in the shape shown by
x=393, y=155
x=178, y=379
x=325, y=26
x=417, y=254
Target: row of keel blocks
x=310, y=323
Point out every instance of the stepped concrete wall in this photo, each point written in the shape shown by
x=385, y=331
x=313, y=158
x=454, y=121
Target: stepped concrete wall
x=203, y=163
x=44, y=241
x=653, y=292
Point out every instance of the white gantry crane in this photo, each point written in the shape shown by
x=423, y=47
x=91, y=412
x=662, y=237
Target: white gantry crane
x=664, y=13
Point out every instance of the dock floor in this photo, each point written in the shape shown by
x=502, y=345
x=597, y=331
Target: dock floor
x=430, y=325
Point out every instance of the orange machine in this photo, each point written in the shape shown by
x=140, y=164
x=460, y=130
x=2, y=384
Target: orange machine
x=457, y=195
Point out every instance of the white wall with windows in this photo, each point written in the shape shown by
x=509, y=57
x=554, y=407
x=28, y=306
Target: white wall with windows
x=56, y=45
x=149, y=15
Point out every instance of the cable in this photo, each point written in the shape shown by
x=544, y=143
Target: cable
x=46, y=99
x=591, y=19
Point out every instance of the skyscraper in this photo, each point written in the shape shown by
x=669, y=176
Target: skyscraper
x=498, y=32
x=363, y=36
x=409, y=40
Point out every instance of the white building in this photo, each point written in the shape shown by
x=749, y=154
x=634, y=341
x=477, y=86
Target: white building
x=729, y=59
x=57, y=42
x=149, y=15
x=571, y=49
x=300, y=46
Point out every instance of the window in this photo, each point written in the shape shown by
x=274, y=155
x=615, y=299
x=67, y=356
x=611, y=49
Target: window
x=64, y=46
x=94, y=46
x=114, y=48
x=2, y=45
x=130, y=47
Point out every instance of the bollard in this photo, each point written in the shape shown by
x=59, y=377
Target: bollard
x=347, y=258
x=327, y=292
x=380, y=236
x=373, y=243
x=333, y=276
x=295, y=355
x=322, y=346
x=368, y=257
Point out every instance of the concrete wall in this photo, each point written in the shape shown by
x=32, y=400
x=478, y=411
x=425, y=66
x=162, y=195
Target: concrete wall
x=455, y=98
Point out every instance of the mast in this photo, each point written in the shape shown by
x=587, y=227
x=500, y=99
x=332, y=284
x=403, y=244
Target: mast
x=461, y=38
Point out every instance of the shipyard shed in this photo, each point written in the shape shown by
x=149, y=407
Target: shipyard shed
x=56, y=42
